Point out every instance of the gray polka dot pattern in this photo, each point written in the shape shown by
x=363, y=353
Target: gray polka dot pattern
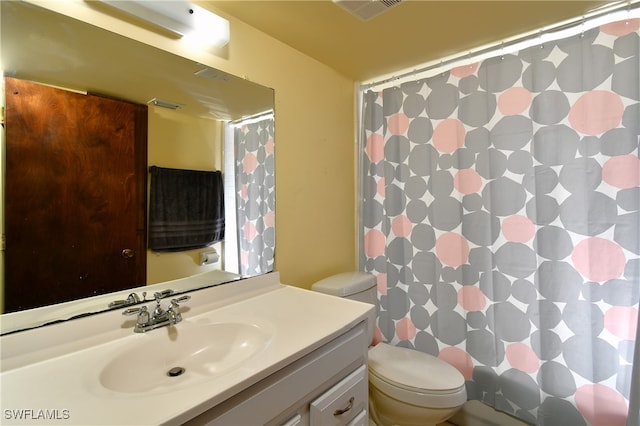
x=501, y=218
x=255, y=196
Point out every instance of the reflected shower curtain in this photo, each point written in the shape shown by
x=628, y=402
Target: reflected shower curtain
x=255, y=195
x=501, y=218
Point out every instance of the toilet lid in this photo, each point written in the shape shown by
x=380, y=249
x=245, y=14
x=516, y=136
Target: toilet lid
x=412, y=369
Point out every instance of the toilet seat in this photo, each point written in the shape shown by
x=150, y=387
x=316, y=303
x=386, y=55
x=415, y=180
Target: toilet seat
x=415, y=377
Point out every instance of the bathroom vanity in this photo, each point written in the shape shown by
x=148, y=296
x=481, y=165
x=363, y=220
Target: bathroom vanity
x=248, y=353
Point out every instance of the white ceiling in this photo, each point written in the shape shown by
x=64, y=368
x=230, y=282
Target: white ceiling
x=409, y=34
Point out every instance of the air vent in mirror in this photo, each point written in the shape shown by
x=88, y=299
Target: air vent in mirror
x=366, y=9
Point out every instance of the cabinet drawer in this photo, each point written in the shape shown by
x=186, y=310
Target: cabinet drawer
x=294, y=421
x=342, y=402
x=362, y=419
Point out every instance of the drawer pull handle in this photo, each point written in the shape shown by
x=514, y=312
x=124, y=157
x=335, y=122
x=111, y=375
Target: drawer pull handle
x=345, y=409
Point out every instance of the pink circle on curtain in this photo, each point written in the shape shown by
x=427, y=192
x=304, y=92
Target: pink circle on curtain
x=398, y=123
x=249, y=231
x=467, y=181
x=401, y=226
x=269, y=146
x=471, y=298
x=621, y=28
x=375, y=147
x=374, y=243
x=244, y=191
x=377, y=336
x=622, y=171
x=452, y=249
x=269, y=219
x=622, y=321
x=249, y=162
x=381, y=284
x=380, y=187
x=449, y=135
x=518, y=229
x=598, y=259
x=596, y=112
x=459, y=359
x=522, y=357
x=405, y=329
x=464, y=70
x=514, y=101
x=601, y=405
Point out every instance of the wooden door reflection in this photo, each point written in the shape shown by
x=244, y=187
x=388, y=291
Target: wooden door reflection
x=75, y=195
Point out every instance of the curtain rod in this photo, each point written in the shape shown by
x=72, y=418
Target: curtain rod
x=627, y=5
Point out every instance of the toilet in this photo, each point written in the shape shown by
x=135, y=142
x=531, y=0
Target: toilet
x=406, y=386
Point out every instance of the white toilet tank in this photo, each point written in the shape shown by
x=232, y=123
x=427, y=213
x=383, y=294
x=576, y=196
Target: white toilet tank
x=358, y=286
x=351, y=285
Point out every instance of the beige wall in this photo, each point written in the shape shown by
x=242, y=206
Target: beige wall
x=315, y=140
x=181, y=141
x=315, y=154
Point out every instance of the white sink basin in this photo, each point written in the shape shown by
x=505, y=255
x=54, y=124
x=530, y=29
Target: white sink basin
x=169, y=358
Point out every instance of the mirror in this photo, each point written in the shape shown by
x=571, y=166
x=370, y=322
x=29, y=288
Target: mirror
x=42, y=46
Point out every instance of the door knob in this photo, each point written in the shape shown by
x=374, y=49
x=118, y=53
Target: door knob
x=128, y=253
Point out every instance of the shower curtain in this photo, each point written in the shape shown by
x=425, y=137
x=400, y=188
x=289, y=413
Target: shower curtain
x=501, y=212
x=255, y=194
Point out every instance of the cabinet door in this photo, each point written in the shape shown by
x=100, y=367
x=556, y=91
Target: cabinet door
x=342, y=402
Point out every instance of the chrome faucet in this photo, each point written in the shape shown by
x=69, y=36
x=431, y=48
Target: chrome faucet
x=132, y=299
x=160, y=317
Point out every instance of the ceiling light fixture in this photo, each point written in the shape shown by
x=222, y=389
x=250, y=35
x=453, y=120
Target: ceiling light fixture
x=180, y=17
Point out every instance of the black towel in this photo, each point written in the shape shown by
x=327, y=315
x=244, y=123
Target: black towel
x=186, y=209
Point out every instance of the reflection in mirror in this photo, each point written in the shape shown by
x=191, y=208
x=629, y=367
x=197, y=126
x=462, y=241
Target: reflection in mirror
x=223, y=123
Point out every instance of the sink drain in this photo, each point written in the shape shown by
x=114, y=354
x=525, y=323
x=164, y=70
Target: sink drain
x=175, y=372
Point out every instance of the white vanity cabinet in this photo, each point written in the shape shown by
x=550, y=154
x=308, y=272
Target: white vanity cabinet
x=255, y=352
x=329, y=386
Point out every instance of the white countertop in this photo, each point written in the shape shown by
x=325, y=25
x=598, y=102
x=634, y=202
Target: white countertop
x=45, y=378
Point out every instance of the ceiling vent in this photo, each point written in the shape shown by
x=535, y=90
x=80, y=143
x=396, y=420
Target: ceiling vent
x=366, y=9
x=212, y=74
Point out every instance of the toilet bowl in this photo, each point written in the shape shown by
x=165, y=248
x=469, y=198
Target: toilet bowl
x=406, y=386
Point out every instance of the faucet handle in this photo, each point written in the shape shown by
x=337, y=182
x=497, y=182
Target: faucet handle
x=181, y=299
x=133, y=311
x=132, y=299
x=143, y=315
x=174, y=309
x=162, y=294
x=117, y=304
x=175, y=303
